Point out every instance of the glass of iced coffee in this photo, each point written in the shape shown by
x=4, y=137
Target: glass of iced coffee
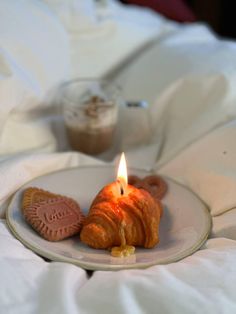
x=90, y=109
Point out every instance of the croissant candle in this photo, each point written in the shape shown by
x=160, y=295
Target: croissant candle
x=122, y=217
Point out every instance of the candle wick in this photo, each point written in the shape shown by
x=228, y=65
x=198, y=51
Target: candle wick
x=122, y=191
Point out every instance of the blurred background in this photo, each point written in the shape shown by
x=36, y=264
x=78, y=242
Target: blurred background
x=218, y=14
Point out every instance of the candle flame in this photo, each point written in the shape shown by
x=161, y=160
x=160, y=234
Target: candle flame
x=122, y=173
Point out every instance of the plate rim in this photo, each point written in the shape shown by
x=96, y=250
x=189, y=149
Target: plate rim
x=96, y=266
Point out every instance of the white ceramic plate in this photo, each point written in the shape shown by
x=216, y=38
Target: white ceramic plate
x=184, y=226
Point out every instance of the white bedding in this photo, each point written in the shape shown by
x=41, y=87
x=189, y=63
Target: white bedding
x=188, y=77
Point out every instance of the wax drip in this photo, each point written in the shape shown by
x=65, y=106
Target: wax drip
x=122, y=234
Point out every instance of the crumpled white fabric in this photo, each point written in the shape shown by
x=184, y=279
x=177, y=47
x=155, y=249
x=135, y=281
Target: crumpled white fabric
x=203, y=281
x=207, y=167
x=34, y=59
x=98, y=45
x=187, y=75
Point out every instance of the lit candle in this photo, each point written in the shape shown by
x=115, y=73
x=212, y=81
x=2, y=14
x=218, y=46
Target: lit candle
x=122, y=180
x=121, y=216
x=122, y=177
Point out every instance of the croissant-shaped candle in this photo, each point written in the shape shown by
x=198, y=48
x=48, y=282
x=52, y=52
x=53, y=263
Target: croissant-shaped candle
x=118, y=219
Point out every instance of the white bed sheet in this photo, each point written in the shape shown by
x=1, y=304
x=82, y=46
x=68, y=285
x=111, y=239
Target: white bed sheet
x=191, y=137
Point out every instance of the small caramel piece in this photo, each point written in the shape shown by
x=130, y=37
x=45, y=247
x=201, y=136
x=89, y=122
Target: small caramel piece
x=122, y=251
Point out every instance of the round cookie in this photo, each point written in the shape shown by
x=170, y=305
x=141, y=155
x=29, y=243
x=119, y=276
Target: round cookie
x=154, y=184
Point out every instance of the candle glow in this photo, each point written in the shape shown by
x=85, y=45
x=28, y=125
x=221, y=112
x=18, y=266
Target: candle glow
x=122, y=176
